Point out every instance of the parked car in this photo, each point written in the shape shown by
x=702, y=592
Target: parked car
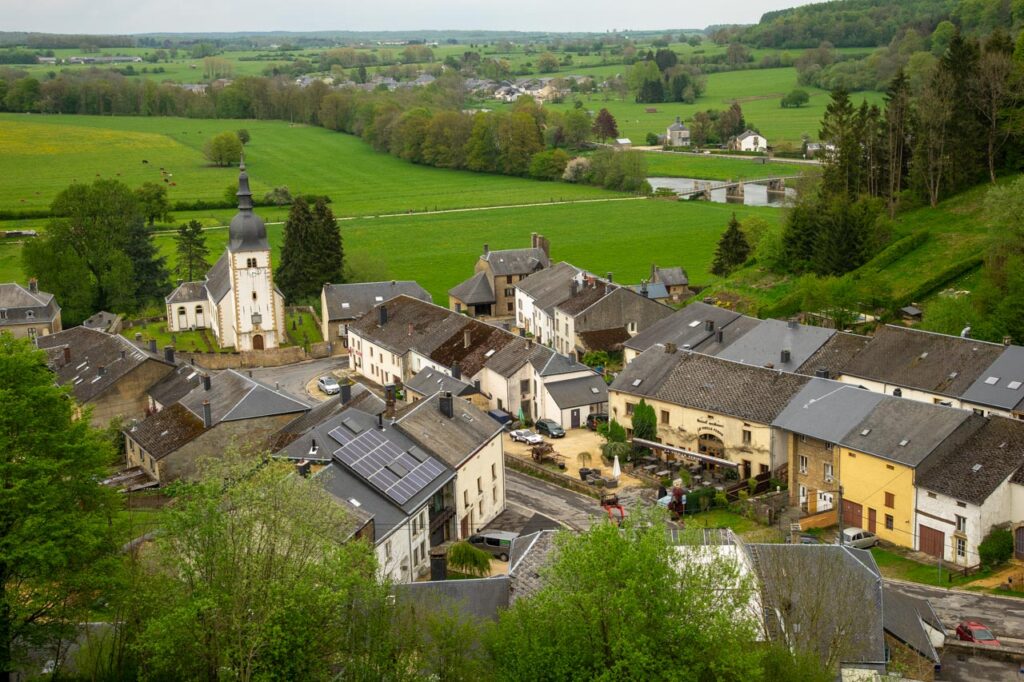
x=595, y=419
x=859, y=538
x=805, y=539
x=526, y=436
x=550, y=428
x=328, y=385
x=497, y=543
x=973, y=631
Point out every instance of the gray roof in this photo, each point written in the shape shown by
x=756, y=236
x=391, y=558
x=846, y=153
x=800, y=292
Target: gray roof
x=218, y=278
x=187, y=292
x=529, y=555
x=907, y=431
x=708, y=383
x=352, y=492
x=677, y=125
x=1002, y=384
x=553, y=364
x=655, y=290
x=587, y=390
x=162, y=433
x=763, y=345
x=670, y=277
x=234, y=396
x=101, y=320
x=516, y=261
x=23, y=306
x=931, y=362
x=451, y=440
x=247, y=231
x=474, y=291
x=685, y=327
x=834, y=354
x=515, y=354
x=429, y=381
x=551, y=286
x=89, y=350
x=827, y=410
x=349, y=301
x=476, y=599
x=905, y=618
x=973, y=471
x=175, y=385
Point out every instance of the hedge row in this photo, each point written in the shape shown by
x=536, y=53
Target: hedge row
x=896, y=250
x=941, y=278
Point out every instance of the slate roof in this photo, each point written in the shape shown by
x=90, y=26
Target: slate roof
x=827, y=410
x=474, y=291
x=677, y=125
x=708, y=383
x=516, y=261
x=218, y=278
x=905, y=618
x=90, y=350
x=483, y=338
x=920, y=427
x=763, y=345
x=553, y=364
x=687, y=326
x=515, y=354
x=430, y=325
x=476, y=599
x=175, y=385
x=585, y=297
x=451, y=440
x=529, y=554
x=162, y=433
x=187, y=292
x=931, y=362
x=18, y=302
x=670, y=277
x=361, y=398
x=834, y=354
x=973, y=471
x=349, y=301
x=101, y=320
x=551, y=286
x=352, y=493
x=1002, y=383
x=655, y=290
x=571, y=393
x=234, y=396
x=429, y=381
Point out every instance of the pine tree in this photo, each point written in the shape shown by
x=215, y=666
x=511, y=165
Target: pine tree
x=190, y=245
x=329, y=245
x=149, y=268
x=732, y=250
x=842, y=167
x=298, y=254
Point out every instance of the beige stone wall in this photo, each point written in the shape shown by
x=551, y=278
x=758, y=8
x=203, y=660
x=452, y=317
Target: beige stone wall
x=127, y=396
x=818, y=453
x=20, y=331
x=270, y=357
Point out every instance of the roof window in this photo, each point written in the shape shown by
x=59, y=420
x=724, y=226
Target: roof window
x=903, y=443
x=992, y=381
x=865, y=432
x=636, y=382
x=1013, y=385
x=976, y=468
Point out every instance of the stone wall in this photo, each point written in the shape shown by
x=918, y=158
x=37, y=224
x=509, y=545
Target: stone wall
x=270, y=357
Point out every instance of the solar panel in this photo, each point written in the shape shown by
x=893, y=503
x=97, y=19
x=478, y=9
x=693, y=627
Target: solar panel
x=398, y=474
x=341, y=435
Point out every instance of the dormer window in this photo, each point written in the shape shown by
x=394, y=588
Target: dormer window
x=30, y=314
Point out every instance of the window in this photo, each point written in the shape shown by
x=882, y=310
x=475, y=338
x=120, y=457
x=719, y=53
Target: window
x=852, y=454
x=932, y=495
x=803, y=464
x=803, y=494
x=494, y=472
x=747, y=436
x=664, y=417
x=962, y=505
x=890, y=467
x=524, y=387
x=465, y=498
x=510, y=292
x=479, y=485
x=254, y=295
x=510, y=306
x=889, y=522
x=829, y=446
x=961, y=524
x=387, y=550
x=494, y=494
x=961, y=548
x=3, y=314
x=250, y=263
x=890, y=500
x=480, y=506
x=508, y=279
x=423, y=549
x=828, y=471
x=30, y=314
x=629, y=408
x=32, y=332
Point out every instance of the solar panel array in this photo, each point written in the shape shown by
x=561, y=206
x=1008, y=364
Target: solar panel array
x=398, y=474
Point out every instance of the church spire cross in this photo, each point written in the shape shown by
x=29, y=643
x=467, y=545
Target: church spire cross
x=244, y=194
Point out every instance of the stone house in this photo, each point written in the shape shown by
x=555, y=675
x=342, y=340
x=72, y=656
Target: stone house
x=675, y=280
x=537, y=295
x=490, y=291
x=28, y=312
x=677, y=134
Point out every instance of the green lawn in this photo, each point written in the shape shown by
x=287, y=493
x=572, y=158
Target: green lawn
x=894, y=565
x=186, y=341
x=41, y=155
x=722, y=518
x=661, y=164
x=302, y=329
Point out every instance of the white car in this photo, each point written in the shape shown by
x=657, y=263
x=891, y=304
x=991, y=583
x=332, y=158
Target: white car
x=328, y=385
x=859, y=538
x=526, y=436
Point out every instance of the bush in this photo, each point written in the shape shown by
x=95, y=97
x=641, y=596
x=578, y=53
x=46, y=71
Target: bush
x=721, y=500
x=279, y=196
x=224, y=149
x=652, y=139
x=548, y=165
x=996, y=548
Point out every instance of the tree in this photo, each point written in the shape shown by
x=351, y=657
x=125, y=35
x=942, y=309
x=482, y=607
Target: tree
x=645, y=421
x=628, y=604
x=296, y=275
x=841, y=172
x=897, y=127
x=243, y=136
x=190, y=246
x=732, y=251
x=55, y=529
x=935, y=112
x=605, y=126
x=327, y=241
x=547, y=63
x=996, y=92
x=548, y=165
x=224, y=149
x=468, y=559
x=796, y=98
x=153, y=202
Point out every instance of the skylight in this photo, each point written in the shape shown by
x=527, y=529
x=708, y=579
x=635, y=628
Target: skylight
x=865, y=432
x=593, y=389
x=489, y=353
x=378, y=299
x=976, y=468
x=695, y=323
x=992, y=381
x=1013, y=385
x=923, y=355
x=636, y=382
x=354, y=502
x=904, y=442
x=345, y=306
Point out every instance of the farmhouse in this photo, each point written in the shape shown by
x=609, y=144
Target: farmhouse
x=340, y=304
x=489, y=292
x=28, y=312
x=677, y=134
x=675, y=280
x=748, y=141
x=237, y=300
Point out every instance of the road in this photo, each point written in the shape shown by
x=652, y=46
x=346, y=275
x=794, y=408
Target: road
x=1005, y=615
x=528, y=494
x=292, y=379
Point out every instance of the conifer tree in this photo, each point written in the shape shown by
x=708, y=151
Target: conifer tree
x=732, y=250
x=329, y=246
x=190, y=245
x=298, y=254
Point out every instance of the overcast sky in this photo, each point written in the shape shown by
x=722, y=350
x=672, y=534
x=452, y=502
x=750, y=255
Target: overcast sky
x=155, y=16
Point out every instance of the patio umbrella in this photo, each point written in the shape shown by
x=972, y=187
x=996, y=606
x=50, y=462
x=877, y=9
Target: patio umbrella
x=616, y=469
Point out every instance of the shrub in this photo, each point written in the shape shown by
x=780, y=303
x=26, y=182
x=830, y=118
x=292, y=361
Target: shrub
x=652, y=139
x=224, y=149
x=279, y=196
x=577, y=170
x=996, y=548
x=721, y=500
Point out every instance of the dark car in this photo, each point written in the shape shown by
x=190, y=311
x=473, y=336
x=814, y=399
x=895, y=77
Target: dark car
x=973, y=631
x=595, y=419
x=549, y=428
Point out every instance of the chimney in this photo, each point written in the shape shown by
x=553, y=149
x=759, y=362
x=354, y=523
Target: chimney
x=382, y=315
x=456, y=370
x=101, y=370
x=446, y=404
x=487, y=249
x=792, y=323
x=573, y=287
x=169, y=354
x=207, y=415
x=719, y=335
x=533, y=240
x=394, y=283
x=821, y=373
x=206, y=382
x=544, y=245
x=67, y=355
x=33, y=285
x=152, y=345
x=678, y=121
x=138, y=337
x=346, y=393
x=654, y=270
x=709, y=325
x=670, y=348
x=466, y=338
x=643, y=288
x=380, y=421
x=124, y=354
x=784, y=356
x=608, y=277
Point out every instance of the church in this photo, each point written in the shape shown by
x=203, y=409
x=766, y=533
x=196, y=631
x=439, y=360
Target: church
x=237, y=299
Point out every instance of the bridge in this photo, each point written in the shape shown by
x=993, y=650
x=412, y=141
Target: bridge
x=734, y=188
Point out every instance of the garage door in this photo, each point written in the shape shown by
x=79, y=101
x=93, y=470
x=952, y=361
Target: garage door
x=1019, y=544
x=932, y=541
x=853, y=514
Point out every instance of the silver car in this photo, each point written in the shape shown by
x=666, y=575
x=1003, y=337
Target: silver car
x=526, y=436
x=859, y=538
x=328, y=385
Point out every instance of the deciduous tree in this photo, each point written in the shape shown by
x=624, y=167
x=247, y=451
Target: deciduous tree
x=605, y=126
x=223, y=149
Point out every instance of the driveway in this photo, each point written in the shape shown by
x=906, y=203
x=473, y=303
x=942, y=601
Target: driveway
x=1005, y=615
x=526, y=494
x=296, y=379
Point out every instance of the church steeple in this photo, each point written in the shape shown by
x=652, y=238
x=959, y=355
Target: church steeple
x=247, y=231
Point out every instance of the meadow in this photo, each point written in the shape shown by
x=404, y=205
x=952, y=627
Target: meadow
x=675, y=165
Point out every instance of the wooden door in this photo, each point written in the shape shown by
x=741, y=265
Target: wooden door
x=465, y=527
x=871, y=519
x=853, y=514
x=932, y=541
x=257, y=342
x=574, y=419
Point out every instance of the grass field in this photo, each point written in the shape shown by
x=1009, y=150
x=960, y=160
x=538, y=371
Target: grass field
x=41, y=155
x=661, y=164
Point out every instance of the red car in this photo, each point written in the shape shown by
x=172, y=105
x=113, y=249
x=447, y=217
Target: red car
x=973, y=631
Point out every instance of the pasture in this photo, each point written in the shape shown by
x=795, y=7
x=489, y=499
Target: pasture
x=675, y=165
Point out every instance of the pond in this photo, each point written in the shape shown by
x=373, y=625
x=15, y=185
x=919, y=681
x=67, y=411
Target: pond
x=753, y=194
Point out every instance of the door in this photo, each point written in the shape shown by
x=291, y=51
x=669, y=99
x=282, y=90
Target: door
x=257, y=342
x=871, y=519
x=464, y=530
x=199, y=317
x=853, y=514
x=574, y=419
x=1018, y=544
x=746, y=469
x=932, y=541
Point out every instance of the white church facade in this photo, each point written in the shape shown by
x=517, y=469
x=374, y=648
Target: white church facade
x=237, y=300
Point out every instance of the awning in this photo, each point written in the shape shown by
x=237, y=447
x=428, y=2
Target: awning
x=685, y=453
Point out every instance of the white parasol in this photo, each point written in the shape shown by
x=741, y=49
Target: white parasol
x=616, y=469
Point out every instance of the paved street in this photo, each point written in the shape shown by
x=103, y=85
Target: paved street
x=1005, y=615
x=527, y=495
x=293, y=379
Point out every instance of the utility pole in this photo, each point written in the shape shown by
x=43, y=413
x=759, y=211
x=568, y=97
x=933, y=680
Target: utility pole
x=839, y=515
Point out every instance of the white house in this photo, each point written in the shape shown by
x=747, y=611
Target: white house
x=748, y=141
x=677, y=134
